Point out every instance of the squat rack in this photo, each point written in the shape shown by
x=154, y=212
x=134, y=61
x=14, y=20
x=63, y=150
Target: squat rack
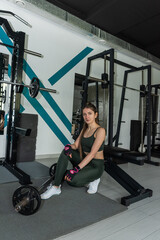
x=137, y=192
x=9, y=162
x=16, y=88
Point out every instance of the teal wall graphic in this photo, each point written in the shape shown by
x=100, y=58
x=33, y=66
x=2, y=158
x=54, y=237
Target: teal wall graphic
x=53, y=79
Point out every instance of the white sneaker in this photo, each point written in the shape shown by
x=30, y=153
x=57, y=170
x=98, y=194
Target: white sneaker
x=50, y=185
x=50, y=192
x=93, y=186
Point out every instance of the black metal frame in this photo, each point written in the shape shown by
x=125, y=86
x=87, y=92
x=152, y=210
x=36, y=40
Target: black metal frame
x=111, y=88
x=137, y=192
x=148, y=110
x=134, y=188
x=156, y=88
x=2, y=66
x=9, y=162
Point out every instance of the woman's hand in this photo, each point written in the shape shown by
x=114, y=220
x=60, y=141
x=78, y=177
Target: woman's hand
x=71, y=173
x=68, y=150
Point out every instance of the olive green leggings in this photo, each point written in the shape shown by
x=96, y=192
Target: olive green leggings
x=89, y=173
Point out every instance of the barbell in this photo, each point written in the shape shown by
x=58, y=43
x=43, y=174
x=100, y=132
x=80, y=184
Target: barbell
x=34, y=87
x=105, y=84
x=26, y=200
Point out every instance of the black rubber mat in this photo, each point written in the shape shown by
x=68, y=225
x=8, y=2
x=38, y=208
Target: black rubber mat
x=73, y=209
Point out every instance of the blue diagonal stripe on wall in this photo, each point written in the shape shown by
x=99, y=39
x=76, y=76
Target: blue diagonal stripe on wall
x=30, y=73
x=42, y=112
x=59, y=74
x=4, y=38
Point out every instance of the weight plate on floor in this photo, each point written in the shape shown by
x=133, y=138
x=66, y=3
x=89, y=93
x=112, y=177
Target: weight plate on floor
x=26, y=200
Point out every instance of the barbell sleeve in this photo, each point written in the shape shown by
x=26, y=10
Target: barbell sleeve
x=29, y=86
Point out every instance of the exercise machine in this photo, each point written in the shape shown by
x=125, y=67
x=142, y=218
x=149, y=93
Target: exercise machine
x=137, y=192
x=16, y=88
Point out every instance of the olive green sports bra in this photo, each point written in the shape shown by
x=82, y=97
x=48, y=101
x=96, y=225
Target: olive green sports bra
x=87, y=143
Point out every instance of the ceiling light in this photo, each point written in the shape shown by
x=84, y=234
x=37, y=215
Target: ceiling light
x=148, y=61
x=20, y=2
x=102, y=40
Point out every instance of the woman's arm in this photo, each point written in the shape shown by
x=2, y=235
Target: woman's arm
x=75, y=145
x=97, y=143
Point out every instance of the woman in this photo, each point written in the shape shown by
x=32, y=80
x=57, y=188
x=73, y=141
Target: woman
x=85, y=154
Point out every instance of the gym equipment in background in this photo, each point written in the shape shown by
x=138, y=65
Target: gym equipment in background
x=16, y=88
x=137, y=192
x=142, y=87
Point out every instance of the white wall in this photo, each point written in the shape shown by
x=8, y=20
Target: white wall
x=59, y=46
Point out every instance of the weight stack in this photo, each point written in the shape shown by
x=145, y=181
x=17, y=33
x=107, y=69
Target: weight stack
x=26, y=145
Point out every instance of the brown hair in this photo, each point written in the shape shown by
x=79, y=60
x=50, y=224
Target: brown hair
x=85, y=126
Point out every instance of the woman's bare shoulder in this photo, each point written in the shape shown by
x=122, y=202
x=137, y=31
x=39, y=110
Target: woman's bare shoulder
x=101, y=131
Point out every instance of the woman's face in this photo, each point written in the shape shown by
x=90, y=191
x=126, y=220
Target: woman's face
x=89, y=115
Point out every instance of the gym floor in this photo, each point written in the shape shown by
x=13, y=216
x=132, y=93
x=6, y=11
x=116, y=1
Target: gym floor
x=139, y=222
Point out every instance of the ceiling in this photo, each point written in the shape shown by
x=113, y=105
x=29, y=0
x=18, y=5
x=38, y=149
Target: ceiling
x=134, y=21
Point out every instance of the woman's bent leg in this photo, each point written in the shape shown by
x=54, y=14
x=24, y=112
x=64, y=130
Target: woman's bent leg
x=63, y=163
x=89, y=173
x=61, y=168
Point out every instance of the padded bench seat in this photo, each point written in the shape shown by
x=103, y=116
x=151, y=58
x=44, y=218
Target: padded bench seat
x=135, y=157
x=125, y=154
x=114, y=151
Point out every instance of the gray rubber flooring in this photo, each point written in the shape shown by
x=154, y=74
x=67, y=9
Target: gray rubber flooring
x=57, y=216
x=72, y=210
x=33, y=169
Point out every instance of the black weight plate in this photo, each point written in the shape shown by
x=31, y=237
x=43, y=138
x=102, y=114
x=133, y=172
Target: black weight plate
x=34, y=90
x=33, y=201
x=52, y=169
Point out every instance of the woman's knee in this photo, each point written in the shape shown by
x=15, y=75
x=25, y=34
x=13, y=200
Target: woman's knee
x=75, y=183
x=62, y=158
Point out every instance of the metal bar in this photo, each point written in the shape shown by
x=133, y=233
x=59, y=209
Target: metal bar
x=19, y=42
x=104, y=53
x=154, y=118
x=33, y=53
x=95, y=79
x=85, y=91
x=99, y=55
x=130, y=88
x=148, y=108
x=155, y=86
x=10, y=122
x=23, y=177
x=85, y=86
x=30, y=86
x=115, y=84
x=47, y=90
x=5, y=24
x=104, y=93
x=121, y=109
x=16, y=16
x=111, y=98
x=25, y=50
x=118, y=85
x=132, y=199
x=126, y=181
x=97, y=97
